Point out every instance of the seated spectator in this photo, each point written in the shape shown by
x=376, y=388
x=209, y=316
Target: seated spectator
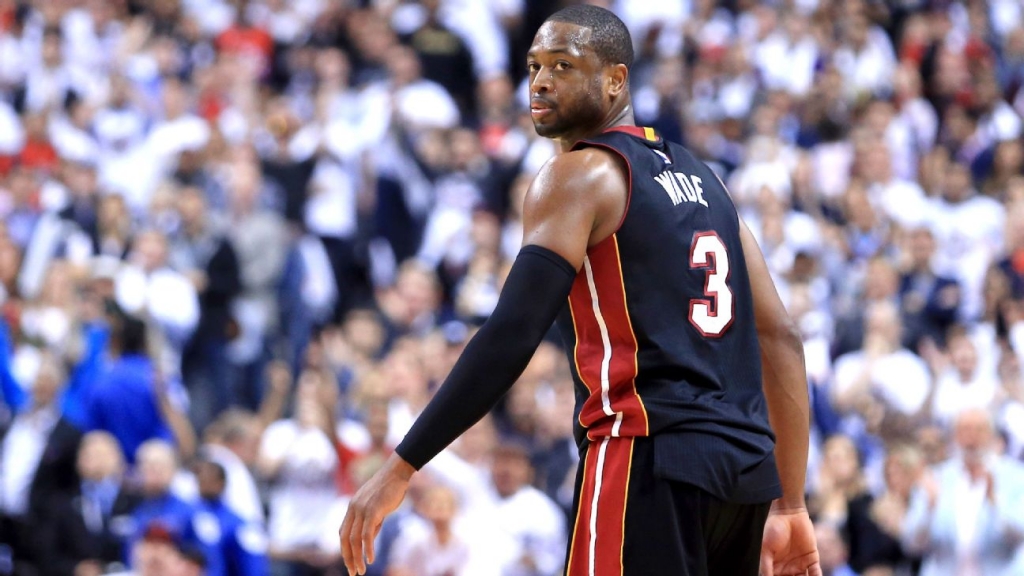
x=873, y=524
x=433, y=549
x=87, y=527
x=883, y=372
x=161, y=553
x=965, y=383
x=928, y=300
x=880, y=284
x=233, y=442
x=157, y=464
x=232, y=546
x=965, y=517
x=832, y=550
x=528, y=518
x=839, y=480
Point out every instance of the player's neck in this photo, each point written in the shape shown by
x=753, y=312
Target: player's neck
x=617, y=117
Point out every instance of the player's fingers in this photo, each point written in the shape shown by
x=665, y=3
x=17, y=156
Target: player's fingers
x=814, y=570
x=355, y=542
x=766, y=564
x=343, y=537
x=369, y=531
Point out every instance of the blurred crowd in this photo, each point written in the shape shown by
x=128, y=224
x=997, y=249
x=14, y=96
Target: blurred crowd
x=243, y=241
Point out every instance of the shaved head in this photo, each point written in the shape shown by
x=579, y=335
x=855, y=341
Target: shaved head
x=606, y=35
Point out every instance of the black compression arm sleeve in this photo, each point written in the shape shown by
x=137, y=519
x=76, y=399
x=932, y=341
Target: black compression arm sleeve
x=536, y=289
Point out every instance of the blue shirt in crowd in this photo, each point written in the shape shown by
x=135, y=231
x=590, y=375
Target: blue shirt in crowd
x=123, y=403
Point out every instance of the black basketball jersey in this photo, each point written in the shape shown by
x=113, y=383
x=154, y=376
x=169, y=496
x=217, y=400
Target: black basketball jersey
x=660, y=326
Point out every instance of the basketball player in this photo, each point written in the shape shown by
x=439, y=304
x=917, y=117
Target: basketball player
x=680, y=348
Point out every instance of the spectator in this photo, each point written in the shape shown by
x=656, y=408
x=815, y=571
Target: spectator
x=298, y=457
x=260, y=242
x=929, y=301
x=232, y=442
x=972, y=234
x=148, y=286
x=435, y=549
x=86, y=529
x=966, y=384
x=445, y=58
x=204, y=254
x=884, y=371
x=231, y=546
x=962, y=517
x=832, y=550
x=840, y=480
x=874, y=524
x=130, y=399
x=37, y=461
x=157, y=465
x=531, y=521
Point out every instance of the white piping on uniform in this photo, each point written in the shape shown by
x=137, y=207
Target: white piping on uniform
x=606, y=341
x=593, y=505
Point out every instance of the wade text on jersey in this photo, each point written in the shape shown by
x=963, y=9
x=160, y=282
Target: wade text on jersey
x=682, y=187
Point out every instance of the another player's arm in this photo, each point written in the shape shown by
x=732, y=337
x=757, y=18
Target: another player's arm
x=575, y=200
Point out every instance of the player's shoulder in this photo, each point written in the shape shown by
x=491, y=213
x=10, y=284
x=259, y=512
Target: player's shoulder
x=581, y=163
x=581, y=172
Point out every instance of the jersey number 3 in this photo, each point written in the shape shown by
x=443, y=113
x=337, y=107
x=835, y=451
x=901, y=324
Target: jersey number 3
x=713, y=315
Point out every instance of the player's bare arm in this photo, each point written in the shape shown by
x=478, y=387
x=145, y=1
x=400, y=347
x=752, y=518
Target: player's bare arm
x=789, y=546
x=576, y=200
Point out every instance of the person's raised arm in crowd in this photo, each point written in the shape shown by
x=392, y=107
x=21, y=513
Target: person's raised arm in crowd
x=14, y=396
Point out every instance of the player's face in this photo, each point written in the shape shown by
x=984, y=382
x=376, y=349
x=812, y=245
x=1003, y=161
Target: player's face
x=566, y=81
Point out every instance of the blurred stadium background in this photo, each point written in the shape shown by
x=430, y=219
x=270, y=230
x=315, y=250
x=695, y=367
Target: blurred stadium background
x=243, y=241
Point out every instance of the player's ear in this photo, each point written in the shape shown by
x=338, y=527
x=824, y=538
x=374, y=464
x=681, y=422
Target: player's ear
x=617, y=77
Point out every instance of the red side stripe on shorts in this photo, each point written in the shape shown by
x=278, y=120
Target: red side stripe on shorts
x=600, y=521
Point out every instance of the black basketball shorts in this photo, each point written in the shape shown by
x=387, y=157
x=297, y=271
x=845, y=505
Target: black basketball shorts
x=628, y=522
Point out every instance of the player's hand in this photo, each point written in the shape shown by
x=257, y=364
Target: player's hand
x=788, y=547
x=371, y=504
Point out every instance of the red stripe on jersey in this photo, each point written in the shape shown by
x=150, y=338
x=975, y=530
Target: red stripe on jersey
x=606, y=346
x=596, y=548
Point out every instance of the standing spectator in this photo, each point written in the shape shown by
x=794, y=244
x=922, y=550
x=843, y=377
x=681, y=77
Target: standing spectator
x=445, y=58
x=260, y=241
x=963, y=518
x=131, y=400
x=840, y=480
x=147, y=285
x=298, y=458
x=37, y=461
x=203, y=252
x=970, y=230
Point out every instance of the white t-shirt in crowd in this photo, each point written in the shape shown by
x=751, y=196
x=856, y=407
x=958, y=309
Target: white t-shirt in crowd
x=901, y=378
x=304, y=488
